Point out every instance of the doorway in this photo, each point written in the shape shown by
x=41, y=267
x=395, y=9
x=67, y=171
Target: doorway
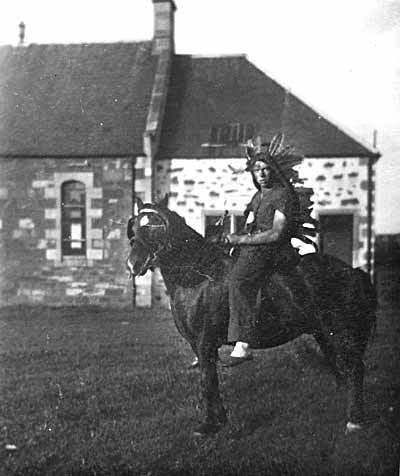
x=336, y=237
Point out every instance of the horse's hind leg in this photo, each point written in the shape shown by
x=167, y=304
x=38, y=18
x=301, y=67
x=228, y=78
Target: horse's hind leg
x=351, y=364
x=348, y=368
x=329, y=352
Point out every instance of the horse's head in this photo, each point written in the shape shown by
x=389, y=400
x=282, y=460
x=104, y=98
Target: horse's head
x=148, y=235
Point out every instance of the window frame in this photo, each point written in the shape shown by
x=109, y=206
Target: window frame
x=356, y=227
x=219, y=213
x=232, y=133
x=67, y=250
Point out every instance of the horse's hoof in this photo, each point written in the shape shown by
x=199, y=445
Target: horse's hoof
x=194, y=364
x=207, y=429
x=352, y=427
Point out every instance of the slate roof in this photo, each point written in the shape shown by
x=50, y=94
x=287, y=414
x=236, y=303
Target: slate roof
x=75, y=99
x=209, y=91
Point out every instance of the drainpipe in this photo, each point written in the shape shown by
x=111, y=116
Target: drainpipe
x=369, y=211
x=133, y=201
x=133, y=198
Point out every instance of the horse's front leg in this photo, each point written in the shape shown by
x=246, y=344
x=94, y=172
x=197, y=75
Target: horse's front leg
x=355, y=379
x=214, y=410
x=351, y=365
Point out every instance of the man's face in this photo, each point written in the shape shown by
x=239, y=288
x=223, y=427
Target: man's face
x=262, y=174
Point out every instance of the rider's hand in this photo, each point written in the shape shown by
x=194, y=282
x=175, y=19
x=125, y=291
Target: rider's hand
x=224, y=238
x=232, y=239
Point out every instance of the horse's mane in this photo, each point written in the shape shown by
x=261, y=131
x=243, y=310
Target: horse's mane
x=176, y=221
x=192, y=250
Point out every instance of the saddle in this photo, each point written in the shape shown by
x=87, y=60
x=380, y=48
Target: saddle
x=285, y=264
x=271, y=326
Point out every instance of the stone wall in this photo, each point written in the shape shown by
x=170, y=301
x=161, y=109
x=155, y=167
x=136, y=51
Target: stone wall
x=341, y=186
x=207, y=184
x=33, y=268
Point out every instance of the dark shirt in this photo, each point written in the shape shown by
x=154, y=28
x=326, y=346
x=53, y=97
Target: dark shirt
x=264, y=204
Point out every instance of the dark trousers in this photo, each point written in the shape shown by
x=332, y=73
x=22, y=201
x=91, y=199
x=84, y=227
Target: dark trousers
x=254, y=264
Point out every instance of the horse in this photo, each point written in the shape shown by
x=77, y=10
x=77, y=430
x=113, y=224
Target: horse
x=318, y=295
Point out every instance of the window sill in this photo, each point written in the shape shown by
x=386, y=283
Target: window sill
x=72, y=261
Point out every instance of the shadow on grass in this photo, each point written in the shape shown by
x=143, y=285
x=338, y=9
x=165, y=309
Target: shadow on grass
x=254, y=422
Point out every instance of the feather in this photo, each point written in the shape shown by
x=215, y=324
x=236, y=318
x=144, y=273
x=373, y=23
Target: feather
x=250, y=149
x=235, y=170
x=275, y=145
x=307, y=241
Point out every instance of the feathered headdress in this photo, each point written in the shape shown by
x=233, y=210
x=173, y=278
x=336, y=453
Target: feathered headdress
x=282, y=160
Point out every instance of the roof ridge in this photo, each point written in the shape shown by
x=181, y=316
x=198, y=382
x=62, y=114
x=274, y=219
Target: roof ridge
x=81, y=43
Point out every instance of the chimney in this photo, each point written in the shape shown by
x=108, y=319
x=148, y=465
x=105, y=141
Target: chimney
x=21, y=33
x=164, y=11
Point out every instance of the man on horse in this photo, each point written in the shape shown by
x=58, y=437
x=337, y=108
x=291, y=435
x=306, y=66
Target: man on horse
x=266, y=244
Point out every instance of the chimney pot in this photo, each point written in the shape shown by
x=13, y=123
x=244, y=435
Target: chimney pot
x=21, y=33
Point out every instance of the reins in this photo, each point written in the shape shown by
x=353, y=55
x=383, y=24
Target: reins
x=153, y=254
x=165, y=246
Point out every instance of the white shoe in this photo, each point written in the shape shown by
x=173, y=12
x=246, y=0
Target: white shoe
x=194, y=364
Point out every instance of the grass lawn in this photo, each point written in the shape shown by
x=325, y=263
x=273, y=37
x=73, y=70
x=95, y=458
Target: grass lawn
x=89, y=391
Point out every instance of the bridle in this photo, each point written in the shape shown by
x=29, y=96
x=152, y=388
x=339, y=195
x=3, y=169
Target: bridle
x=153, y=254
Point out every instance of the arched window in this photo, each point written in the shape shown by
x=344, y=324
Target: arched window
x=73, y=218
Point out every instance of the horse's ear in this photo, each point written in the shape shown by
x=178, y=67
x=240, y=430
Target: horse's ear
x=130, y=232
x=164, y=202
x=139, y=202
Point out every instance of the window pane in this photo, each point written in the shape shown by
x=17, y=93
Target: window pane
x=76, y=231
x=241, y=134
x=239, y=223
x=225, y=134
x=74, y=213
x=234, y=133
x=212, y=220
x=214, y=135
x=249, y=132
x=74, y=193
x=336, y=236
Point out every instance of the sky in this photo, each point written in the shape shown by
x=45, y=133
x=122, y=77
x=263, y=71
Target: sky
x=342, y=57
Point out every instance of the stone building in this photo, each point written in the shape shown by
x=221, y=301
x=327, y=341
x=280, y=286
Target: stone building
x=83, y=127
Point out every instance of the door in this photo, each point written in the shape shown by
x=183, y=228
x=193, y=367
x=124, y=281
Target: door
x=336, y=236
